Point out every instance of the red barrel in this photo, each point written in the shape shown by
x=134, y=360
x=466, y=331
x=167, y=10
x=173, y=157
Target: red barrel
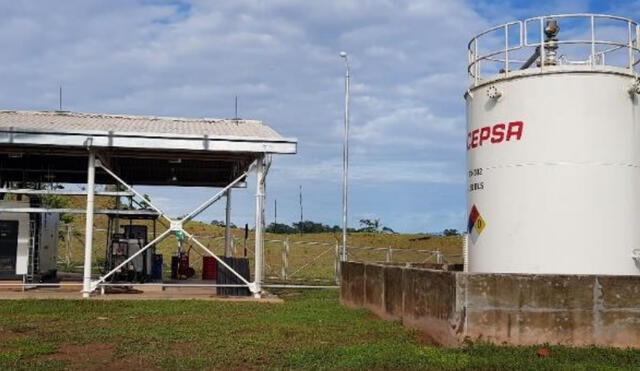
x=209, y=268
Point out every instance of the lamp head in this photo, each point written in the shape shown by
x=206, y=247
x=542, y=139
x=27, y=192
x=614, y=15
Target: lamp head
x=343, y=54
x=551, y=28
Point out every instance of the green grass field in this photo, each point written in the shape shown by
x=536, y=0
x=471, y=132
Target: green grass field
x=308, y=331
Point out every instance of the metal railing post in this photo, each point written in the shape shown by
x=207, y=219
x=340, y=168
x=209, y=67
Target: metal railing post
x=88, y=231
x=630, y=46
x=477, y=64
x=633, y=58
x=543, y=52
x=470, y=60
x=506, y=49
x=593, y=42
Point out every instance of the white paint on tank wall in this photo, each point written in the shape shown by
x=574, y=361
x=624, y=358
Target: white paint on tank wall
x=564, y=199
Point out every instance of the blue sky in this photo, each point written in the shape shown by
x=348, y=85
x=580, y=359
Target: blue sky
x=280, y=57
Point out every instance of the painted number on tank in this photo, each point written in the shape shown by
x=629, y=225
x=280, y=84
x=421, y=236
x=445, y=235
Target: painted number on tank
x=476, y=186
x=475, y=172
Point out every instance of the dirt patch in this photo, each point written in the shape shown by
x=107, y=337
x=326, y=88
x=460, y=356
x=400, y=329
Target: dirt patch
x=422, y=336
x=183, y=349
x=425, y=339
x=92, y=356
x=6, y=335
x=131, y=364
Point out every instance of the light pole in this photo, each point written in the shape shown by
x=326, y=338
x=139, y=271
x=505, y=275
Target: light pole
x=345, y=158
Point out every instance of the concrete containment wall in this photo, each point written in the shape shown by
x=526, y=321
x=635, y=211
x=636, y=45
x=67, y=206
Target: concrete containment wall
x=513, y=308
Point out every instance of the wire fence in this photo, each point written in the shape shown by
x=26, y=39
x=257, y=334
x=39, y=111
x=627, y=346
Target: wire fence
x=311, y=261
x=285, y=260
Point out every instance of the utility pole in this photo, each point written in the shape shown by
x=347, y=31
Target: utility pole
x=235, y=117
x=301, y=211
x=345, y=158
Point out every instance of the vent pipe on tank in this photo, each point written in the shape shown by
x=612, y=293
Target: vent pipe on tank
x=551, y=30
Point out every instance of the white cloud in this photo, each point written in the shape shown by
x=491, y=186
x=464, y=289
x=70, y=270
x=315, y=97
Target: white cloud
x=409, y=127
x=375, y=171
x=280, y=57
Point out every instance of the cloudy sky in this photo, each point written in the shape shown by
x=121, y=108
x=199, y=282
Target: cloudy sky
x=280, y=57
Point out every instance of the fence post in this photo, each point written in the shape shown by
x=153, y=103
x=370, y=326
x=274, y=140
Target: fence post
x=389, y=254
x=285, y=259
x=438, y=257
x=232, y=241
x=336, y=266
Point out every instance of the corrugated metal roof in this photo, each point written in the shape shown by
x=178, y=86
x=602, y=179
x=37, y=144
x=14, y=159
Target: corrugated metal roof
x=56, y=121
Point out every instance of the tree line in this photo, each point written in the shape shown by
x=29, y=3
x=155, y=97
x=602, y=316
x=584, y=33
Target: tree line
x=308, y=226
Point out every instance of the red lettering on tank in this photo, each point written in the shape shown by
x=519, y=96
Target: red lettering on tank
x=485, y=133
x=515, y=129
x=495, y=134
x=474, y=138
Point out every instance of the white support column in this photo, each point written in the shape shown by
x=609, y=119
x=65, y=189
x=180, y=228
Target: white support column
x=259, y=238
x=227, y=226
x=88, y=232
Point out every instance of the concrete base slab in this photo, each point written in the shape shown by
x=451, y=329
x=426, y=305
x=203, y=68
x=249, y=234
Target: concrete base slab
x=13, y=290
x=517, y=309
x=12, y=285
x=51, y=294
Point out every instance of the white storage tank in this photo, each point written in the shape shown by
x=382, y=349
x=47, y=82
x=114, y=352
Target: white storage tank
x=553, y=147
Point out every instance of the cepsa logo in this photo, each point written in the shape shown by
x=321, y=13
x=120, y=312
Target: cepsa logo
x=497, y=133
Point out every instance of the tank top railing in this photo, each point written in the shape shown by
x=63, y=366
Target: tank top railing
x=600, y=40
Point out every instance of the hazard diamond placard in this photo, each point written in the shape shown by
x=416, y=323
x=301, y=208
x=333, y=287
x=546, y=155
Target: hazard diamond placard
x=476, y=223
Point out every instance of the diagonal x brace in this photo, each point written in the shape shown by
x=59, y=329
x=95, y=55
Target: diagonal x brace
x=176, y=226
x=131, y=189
x=217, y=196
